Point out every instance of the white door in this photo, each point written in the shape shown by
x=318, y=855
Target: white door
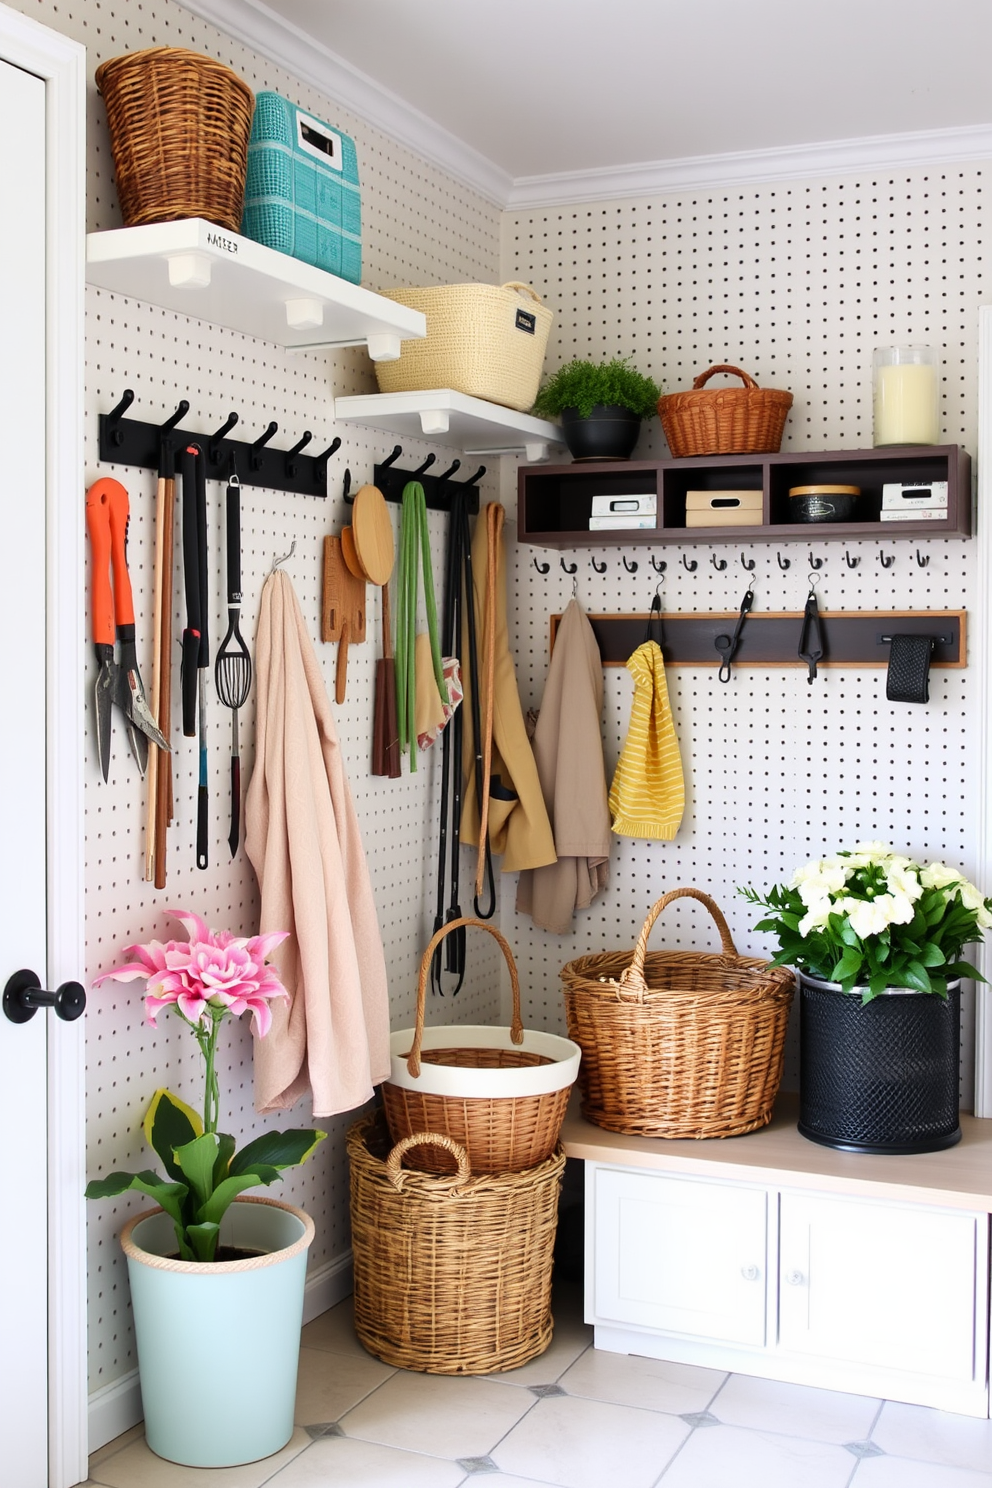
x=23, y=940
x=679, y=1255
x=889, y=1285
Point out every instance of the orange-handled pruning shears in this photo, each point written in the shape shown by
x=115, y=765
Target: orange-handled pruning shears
x=119, y=681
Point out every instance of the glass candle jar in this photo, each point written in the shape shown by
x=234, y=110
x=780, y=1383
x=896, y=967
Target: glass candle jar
x=906, y=409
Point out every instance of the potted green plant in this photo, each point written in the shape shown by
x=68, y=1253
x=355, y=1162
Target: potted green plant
x=216, y=1285
x=876, y=940
x=601, y=405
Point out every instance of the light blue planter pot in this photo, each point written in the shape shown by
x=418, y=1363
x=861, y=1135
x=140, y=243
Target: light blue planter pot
x=218, y=1345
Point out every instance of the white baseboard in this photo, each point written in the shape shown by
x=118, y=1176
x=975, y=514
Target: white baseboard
x=115, y=1408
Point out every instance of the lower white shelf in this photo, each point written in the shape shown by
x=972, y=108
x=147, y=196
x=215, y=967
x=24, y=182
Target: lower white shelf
x=446, y=417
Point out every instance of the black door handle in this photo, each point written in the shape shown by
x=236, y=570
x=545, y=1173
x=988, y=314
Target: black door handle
x=24, y=995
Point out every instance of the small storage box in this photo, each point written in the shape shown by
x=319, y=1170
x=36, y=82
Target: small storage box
x=917, y=496
x=723, y=508
x=483, y=340
x=302, y=195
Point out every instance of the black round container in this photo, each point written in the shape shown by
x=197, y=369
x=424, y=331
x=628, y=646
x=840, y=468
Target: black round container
x=609, y=433
x=879, y=1077
x=823, y=503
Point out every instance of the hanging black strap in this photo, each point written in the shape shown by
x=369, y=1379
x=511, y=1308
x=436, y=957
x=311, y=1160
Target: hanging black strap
x=811, y=635
x=727, y=644
x=452, y=951
x=473, y=661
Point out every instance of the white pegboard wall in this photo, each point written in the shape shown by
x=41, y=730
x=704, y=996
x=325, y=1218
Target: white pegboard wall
x=796, y=284
x=418, y=227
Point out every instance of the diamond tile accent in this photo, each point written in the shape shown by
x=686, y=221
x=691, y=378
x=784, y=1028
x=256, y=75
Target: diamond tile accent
x=700, y=1418
x=543, y=1391
x=477, y=1464
x=863, y=1449
x=322, y=1429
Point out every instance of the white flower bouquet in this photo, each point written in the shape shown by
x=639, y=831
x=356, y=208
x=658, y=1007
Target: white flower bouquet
x=872, y=918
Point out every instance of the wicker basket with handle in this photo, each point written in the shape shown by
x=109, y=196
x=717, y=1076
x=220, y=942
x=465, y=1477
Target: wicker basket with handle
x=501, y=1093
x=678, y=1043
x=179, y=127
x=452, y=1273
x=746, y=420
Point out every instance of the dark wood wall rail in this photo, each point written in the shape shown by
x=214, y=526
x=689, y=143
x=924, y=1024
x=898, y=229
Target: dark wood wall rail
x=771, y=638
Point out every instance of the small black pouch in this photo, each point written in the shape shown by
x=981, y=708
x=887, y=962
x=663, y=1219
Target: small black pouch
x=908, y=679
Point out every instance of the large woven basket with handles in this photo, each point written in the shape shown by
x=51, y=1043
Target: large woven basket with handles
x=179, y=127
x=678, y=1043
x=452, y=1273
x=501, y=1093
x=485, y=340
x=744, y=420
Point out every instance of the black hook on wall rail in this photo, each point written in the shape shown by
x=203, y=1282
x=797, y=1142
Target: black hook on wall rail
x=718, y=563
x=439, y=490
x=689, y=567
x=658, y=564
x=125, y=441
x=542, y=568
x=921, y=560
x=748, y=563
x=815, y=562
x=599, y=567
x=783, y=563
x=886, y=562
x=570, y=568
x=630, y=567
x=851, y=562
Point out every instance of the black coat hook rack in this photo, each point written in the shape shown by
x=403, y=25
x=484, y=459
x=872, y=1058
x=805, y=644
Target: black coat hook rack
x=125, y=441
x=438, y=489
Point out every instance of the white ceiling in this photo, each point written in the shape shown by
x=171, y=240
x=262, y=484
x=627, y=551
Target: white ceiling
x=544, y=88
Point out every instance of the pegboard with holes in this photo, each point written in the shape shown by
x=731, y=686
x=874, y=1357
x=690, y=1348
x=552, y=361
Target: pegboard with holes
x=419, y=227
x=796, y=283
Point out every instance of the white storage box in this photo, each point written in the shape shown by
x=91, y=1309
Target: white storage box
x=915, y=496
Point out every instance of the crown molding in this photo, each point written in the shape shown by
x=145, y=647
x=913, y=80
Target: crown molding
x=881, y=152
x=253, y=23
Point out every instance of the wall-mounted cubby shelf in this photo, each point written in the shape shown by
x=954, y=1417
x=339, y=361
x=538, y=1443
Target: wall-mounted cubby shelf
x=195, y=268
x=554, y=502
x=445, y=417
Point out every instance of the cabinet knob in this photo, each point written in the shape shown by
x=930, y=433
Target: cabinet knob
x=795, y=1278
x=750, y=1273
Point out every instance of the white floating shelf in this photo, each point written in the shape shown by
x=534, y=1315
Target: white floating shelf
x=443, y=416
x=197, y=269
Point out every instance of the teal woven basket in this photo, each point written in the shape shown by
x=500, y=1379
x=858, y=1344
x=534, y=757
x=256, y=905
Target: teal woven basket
x=302, y=194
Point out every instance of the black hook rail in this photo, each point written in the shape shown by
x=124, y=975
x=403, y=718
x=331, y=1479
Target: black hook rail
x=438, y=489
x=125, y=441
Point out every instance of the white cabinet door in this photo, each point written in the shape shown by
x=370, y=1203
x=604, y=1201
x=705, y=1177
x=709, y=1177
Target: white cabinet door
x=679, y=1255
x=890, y=1285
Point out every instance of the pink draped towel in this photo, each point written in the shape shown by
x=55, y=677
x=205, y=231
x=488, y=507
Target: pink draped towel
x=303, y=840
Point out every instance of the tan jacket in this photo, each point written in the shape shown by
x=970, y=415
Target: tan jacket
x=519, y=829
x=568, y=747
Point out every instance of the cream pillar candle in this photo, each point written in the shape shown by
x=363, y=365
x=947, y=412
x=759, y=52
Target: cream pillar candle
x=905, y=403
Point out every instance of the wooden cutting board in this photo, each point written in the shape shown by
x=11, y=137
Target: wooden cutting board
x=342, y=610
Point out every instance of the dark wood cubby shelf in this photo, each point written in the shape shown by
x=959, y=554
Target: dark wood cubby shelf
x=554, y=502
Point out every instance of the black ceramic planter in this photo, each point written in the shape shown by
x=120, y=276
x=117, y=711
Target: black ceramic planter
x=609, y=433
x=880, y=1077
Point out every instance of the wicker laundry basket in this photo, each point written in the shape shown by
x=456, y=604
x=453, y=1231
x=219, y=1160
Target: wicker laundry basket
x=179, y=127
x=485, y=340
x=678, y=1043
x=501, y=1093
x=744, y=420
x=452, y=1273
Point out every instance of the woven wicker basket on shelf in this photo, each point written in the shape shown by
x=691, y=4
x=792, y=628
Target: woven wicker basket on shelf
x=179, y=127
x=452, y=1273
x=501, y=1093
x=678, y=1043
x=485, y=340
x=746, y=420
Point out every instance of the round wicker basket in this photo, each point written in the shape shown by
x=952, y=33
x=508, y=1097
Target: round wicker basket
x=179, y=127
x=678, y=1043
x=501, y=1093
x=744, y=420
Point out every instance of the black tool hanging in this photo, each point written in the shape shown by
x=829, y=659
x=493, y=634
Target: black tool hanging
x=908, y=677
x=727, y=644
x=811, y=633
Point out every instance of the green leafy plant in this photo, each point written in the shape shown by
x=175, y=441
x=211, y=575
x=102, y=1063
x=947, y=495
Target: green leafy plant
x=872, y=918
x=585, y=385
x=206, y=979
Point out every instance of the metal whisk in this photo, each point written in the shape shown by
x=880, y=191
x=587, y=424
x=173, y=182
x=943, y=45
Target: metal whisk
x=232, y=666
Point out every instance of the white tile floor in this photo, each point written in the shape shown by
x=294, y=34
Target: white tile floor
x=576, y=1418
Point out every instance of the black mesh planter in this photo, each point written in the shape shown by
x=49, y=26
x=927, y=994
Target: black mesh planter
x=880, y=1077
